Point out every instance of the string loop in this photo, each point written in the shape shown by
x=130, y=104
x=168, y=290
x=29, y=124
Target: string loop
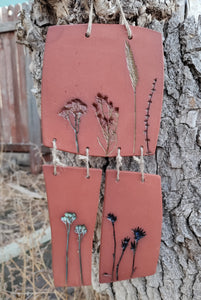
x=129, y=32
x=125, y=22
x=118, y=162
x=55, y=159
x=89, y=28
x=140, y=161
x=86, y=159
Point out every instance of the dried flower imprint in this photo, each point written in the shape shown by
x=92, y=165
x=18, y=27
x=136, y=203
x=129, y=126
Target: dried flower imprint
x=73, y=111
x=107, y=116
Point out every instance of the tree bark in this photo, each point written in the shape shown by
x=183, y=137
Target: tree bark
x=177, y=159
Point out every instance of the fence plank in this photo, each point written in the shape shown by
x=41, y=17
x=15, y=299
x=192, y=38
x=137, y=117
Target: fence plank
x=6, y=112
x=19, y=120
x=9, y=70
x=7, y=26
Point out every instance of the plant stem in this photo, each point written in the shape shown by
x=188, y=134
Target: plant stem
x=67, y=245
x=135, y=121
x=114, y=254
x=76, y=141
x=76, y=129
x=80, y=259
x=133, y=264
x=117, y=268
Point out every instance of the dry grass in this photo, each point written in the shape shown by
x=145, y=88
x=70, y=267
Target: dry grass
x=28, y=276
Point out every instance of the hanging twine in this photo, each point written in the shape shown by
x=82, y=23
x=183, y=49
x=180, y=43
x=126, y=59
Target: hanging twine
x=88, y=33
x=140, y=161
x=129, y=32
x=118, y=162
x=89, y=28
x=55, y=159
x=86, y=160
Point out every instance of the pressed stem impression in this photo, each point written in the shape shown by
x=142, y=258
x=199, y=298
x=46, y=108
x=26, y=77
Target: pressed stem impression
x=107, y=116
x=124, y=245
x=68, y=219
x=73, y=111
x=139, y=233
x=112, y=218
x=81, y=230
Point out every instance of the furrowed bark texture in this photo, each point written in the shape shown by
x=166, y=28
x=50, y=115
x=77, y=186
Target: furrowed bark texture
x=178, y=155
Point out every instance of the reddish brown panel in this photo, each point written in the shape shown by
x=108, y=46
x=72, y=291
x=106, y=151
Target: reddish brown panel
x=70, y=191
x=134, y=210
x=111, y=86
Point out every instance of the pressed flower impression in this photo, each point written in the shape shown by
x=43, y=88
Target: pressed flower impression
x=73, y=203
x=73, y=111
x=68, y=219
x=102, y=92
x=131, y=226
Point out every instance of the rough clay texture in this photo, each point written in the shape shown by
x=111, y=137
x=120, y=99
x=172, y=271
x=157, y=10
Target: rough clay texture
x=178, y=156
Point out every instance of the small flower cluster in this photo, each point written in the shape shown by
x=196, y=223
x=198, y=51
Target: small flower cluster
x=112, y=218
x=139, y=233
x=75, y=107
x=124, y=243
x=81, y=230
x=107, y=116
x=68, y=218
x=73, y=111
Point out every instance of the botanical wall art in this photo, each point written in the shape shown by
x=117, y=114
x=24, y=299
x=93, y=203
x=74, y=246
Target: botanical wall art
x=131, y=226
x=73, y=203
x=82, y=74
x=102, y=96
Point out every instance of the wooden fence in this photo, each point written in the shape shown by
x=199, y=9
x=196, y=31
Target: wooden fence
x=19, y=121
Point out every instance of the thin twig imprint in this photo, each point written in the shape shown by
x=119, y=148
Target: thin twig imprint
x=147, y=116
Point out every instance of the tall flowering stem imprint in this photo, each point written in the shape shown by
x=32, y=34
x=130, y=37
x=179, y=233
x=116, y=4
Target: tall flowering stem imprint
x=81, y=230
x=147, y=116
x=133, y=73
x=107, y=116
x=112, y=218
x=124, y=245
x=139, y=233
x=68, y=219
x=73, y=111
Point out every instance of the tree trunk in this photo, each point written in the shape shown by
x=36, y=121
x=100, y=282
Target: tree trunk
x=178, y=154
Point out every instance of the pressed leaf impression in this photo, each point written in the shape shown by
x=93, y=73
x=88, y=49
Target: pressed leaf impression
x=70, y=194
x=131, y=226
x=109, y=90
